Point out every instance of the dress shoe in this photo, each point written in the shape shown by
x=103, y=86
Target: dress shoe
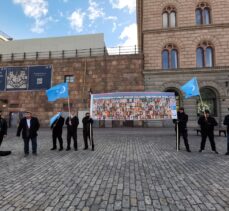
x=76, y=149
x=26, y=155
x=216, y=152
x=68, y=149
x=54, y=148
x=34, y=153
x=200, y=150
x=188, y=150
x=60, y=149
x=85, y=148
x=227, y=153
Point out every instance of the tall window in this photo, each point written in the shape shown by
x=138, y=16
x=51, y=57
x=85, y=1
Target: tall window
x=169, y=17
x=170, y=57
x=203, y=14
x=204, y=55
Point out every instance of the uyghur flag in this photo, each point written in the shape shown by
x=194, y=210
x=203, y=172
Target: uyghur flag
x=191, y=88
x=57, y=92
x=54, y=118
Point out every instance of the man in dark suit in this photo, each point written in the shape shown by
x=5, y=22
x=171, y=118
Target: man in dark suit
x=72, y=123
x=226, y=122
x=182, y=119
x=207, y=124
x=29, y=126
x=87, y=131
x=57, y=127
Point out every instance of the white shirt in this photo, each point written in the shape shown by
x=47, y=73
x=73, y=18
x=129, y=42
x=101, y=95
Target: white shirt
x=28, y=122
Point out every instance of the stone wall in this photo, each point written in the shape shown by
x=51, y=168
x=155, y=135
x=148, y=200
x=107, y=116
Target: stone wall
x=100, y=74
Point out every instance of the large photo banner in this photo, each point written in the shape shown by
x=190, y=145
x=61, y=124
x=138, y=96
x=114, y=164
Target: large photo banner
x=133, y=106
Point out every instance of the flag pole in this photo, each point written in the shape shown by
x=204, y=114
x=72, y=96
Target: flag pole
x=69, y=112
x=177, y=137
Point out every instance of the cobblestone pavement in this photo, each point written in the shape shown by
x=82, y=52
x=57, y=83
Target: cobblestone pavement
x=130, y=169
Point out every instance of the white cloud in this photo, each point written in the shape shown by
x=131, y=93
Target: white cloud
x=129, y=34
x=121, y=4
x=36, y=9
x=76, y=20
x=94, y=11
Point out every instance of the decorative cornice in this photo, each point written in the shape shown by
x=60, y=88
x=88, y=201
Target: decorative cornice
x=186, y=28
x=223, y=69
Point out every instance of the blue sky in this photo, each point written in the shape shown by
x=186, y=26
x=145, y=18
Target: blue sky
x=25, y=19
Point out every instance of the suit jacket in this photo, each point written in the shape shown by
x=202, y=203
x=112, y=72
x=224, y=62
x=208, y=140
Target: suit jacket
x=57, y=126
x=207, y=124
x=32, y=131
x=74, y=124
x=226, y=122
x=86, y=124
x=182, y=119
x=3, y=126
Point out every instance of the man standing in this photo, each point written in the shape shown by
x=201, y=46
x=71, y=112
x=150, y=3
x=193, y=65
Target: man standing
x=29, y=126
x=226, y=122
x=3, y=128
x=57, y=128
x=182, y=119
x=72, y=123
x=87, y=131
x=207, y=124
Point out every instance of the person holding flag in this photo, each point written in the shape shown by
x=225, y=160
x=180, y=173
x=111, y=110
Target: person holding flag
x=87, y=131
x=72, y=123
x=57, y=123
x=181, y=121
x=207, y=124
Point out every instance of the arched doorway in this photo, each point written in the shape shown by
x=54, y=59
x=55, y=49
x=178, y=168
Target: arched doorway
x=177, y=95
x=210, y=103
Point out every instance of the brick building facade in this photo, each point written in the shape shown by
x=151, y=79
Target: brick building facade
x=98, y=74
x=181, y=39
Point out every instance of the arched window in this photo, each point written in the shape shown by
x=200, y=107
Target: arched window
x=209, y=101
x=169, y=17
x=204, y=55
x=170, y=57
x=203, y=14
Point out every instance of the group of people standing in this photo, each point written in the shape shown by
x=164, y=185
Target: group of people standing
x=72, y=123
x=29, y=125
x=207, y=124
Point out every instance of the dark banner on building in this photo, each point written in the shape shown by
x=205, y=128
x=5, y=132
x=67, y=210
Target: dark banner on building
x=25, y=78
x=134, y=106
x=2, y=79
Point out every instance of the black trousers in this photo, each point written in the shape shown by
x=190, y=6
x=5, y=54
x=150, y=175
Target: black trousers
x=1, y=138
x=26, y=145
x=210, y=135
x=59, y=137
x=71, y=135
x=184, y=134
x=86, y=137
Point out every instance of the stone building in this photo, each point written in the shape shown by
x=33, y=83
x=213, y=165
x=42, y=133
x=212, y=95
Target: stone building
x=181, y=39
x=83, y=61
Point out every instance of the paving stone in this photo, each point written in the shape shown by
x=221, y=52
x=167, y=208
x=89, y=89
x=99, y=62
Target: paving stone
x=131, y=169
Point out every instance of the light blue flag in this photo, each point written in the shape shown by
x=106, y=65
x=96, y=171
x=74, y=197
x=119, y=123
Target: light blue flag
x=57, y=92
x=191, y=88
x=54, y=118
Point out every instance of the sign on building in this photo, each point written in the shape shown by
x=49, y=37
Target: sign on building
x=133, y=106
x=25, y=78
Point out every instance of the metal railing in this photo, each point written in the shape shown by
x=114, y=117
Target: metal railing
x=121, y=50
